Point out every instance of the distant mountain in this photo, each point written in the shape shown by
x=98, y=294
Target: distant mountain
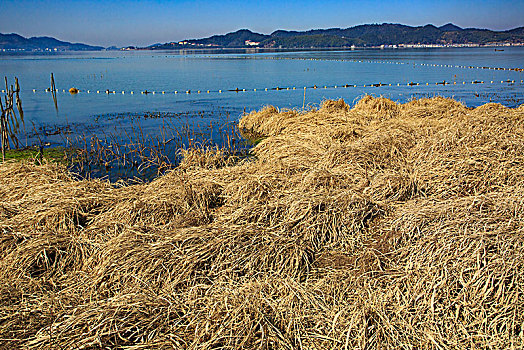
x=236, y=39
x=362, y=35
x=18, y=42
x=450, y=27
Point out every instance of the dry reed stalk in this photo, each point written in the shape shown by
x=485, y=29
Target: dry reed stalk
x=381, y=226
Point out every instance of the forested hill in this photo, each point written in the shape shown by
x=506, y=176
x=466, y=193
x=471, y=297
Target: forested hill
x=362, y=35
x=18, y=42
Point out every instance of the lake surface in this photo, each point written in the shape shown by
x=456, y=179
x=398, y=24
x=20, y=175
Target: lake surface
x=221, y=71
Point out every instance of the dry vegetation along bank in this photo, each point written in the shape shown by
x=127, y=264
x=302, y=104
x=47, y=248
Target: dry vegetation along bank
x=381, y=226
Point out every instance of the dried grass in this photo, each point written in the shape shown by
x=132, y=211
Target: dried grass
x=381, y=226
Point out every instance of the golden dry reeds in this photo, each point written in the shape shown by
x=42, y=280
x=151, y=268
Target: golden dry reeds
x=381, y=226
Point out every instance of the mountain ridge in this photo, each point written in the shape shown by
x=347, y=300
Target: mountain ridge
x=360, y=35
x=363, y=35
x=13, y=41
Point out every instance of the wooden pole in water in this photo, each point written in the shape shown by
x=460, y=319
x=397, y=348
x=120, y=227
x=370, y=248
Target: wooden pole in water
x=304, y=102
x=19, y=107
x=2, y=116
x=9, y=124
x=53, y=91
x=3, y=120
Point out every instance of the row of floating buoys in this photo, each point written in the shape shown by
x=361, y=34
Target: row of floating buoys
x=383, y=62
x=75, y=91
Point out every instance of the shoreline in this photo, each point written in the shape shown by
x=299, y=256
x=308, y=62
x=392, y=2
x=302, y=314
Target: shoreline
x=290, y=49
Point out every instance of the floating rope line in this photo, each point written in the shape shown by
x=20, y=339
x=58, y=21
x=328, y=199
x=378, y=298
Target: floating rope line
x=279, y=88
x=516, y=69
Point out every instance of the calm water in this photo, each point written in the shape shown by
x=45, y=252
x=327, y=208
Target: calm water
x=170, y=71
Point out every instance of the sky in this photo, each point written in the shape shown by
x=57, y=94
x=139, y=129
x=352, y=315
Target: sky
x=142, y=23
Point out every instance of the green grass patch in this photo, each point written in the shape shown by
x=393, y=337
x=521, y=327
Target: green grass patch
x=253, y=140
x=54, y=154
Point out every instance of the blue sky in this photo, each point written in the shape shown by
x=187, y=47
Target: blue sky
x=121, y=23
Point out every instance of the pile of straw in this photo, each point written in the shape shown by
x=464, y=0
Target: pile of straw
x=381, y=226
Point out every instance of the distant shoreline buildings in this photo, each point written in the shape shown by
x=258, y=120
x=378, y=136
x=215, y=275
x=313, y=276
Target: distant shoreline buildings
x=189, y=45
x=185, y=45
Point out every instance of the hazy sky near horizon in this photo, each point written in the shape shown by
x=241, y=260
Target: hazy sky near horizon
x=141, y=23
